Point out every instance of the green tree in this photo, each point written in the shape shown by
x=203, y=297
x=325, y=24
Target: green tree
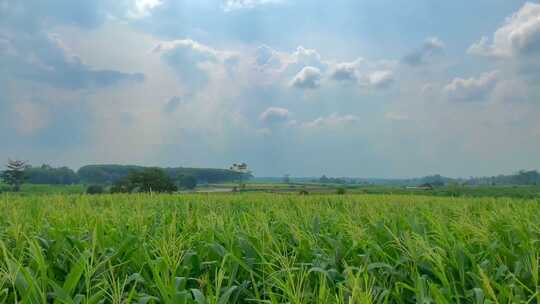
x=146, y=180
x=243, y=173
x=14, y=175
x=186, y=182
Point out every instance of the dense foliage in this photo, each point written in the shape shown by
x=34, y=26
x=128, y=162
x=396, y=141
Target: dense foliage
x=145, y=180
x=186, y=182
x=47, y=175
x=95, y=189
x=257, y=248
x=522, y=177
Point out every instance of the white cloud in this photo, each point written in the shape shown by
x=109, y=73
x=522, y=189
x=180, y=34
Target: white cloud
x=231, y=5
x=481, y=47
x=266, y=56
x=472, y=89
x=378, y=79
x=143, y=8
x=431, y=47
x=333, y=120
x=368, y=74
x=314, y=68
x=308, y=78
x=274, y=115
x=346, y=71
x=195, y=63
x=307, y=57
x=189, y=44
x=434, y=43
x=520, y=35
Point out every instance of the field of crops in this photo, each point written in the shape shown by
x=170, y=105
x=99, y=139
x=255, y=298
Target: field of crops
x=268, y=248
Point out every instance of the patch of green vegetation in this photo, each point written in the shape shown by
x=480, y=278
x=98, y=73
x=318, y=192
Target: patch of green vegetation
x=32, y=189
x=525, y=192
x=268, y=248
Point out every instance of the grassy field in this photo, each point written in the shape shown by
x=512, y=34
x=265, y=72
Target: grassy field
x=32, y=189
x=525, y=192
x=268, y=248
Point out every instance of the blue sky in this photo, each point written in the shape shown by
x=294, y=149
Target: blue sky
x=370, y=88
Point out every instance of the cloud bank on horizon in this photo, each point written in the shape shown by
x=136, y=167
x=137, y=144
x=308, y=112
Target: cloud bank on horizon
x=348, y=88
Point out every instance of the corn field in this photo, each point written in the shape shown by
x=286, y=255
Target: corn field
x=268, y=248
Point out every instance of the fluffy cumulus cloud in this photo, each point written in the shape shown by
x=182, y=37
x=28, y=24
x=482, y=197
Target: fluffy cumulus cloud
x=310, y=69
x=432, y=46
x=191, y=59
x=143, y=8
x=346, y=71
x=267, y=57
x=472, y=89
x=364, y=73
x=519, y=36
x=308, y=78
x=379, y=79
x=275, y=115
x=307, y=57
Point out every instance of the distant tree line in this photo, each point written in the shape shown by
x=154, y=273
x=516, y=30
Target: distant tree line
x=331, y=180
x=19, y=172
x=109, y=174
x=523, y=177
x=47, y=175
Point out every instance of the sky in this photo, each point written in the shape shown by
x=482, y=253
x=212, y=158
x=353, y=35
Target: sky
x=362, y=88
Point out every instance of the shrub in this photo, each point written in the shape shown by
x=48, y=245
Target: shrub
x=341, y=191
x=94, y=189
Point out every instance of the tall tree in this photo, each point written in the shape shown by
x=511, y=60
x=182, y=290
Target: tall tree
x=243, y=171
x=15, y=175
